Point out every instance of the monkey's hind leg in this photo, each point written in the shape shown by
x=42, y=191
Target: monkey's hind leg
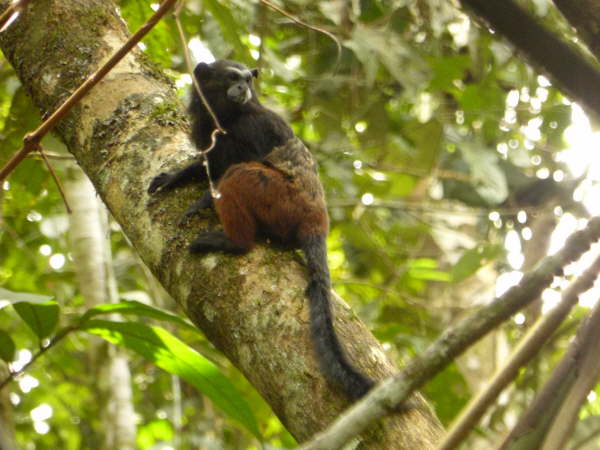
x=214, y=241
x=197, y=207
x=239, y=229
x=235, y=210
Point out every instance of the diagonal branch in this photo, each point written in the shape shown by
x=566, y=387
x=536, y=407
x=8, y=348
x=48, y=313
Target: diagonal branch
x=253, y=308
x=548, y=422
x=380, y=402
x=565, y=65
x=12, y=13
x=33, y=139
x=527, y=349
x=54, y=177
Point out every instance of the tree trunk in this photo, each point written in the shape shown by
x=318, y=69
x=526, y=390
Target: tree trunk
x=88, y=230
x=7, y=432
x=7, y=426
x=252, y=307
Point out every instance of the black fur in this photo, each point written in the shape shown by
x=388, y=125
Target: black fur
x=213, y=241
x=205, y=202
x=332, y=358
x=168, y=181
x=252, y=129
x=257, y=134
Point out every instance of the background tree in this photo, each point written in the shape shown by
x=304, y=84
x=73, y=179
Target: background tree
x=438, y=147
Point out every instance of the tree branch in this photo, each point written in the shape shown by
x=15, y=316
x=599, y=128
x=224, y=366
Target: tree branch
x=527, y=349
x=452, y=343
x=584, y=16
x=32, y=140
x=253, y=307
x=565, y=65
x=11, y=14
x=549, y=420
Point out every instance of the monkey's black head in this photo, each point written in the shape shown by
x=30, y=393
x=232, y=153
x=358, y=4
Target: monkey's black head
x=226, y=77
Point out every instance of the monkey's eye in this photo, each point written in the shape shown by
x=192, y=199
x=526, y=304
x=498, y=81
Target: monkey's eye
x=233, y=76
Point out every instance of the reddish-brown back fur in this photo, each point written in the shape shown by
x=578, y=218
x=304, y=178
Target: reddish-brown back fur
x=256, y=198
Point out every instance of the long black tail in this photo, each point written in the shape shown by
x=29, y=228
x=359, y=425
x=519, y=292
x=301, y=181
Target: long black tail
x=330, y=354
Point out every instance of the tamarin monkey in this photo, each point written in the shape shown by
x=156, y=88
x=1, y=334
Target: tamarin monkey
x=268, y=186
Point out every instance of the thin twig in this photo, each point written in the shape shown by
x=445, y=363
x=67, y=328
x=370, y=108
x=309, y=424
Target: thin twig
x=55, y=178
x=32, y=139
x=51, y=155
x=385, y=397
x=312, y=27
x=549, y=420
x=527, y=349
x=218, y=128
x=11, y=13
x=190, y=68
x=59, y=336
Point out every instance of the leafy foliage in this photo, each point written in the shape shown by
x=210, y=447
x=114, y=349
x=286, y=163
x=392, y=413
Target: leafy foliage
x=170, y=354
x=42, y=318
x=425, y=131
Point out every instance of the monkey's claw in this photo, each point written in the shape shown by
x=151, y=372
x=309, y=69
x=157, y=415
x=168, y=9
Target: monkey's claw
x=158, y=182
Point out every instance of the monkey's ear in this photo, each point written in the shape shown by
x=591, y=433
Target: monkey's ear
x=254, y=72
x=202, y=71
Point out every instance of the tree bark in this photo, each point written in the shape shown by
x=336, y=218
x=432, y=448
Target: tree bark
x=252, y=307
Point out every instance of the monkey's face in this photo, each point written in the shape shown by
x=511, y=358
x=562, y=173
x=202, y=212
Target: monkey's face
x=239, y=83
x=227, y=79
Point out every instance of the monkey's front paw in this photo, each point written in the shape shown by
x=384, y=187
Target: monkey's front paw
x=158, y=182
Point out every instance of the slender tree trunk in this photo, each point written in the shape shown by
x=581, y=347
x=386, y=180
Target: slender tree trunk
x=93, y=263
x=253, y=307
x=7, y=430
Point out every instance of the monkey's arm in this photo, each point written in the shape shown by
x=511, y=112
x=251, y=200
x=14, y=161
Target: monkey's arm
x=167, y=181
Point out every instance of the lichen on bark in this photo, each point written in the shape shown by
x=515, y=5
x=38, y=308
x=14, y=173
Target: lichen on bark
x=252, y=307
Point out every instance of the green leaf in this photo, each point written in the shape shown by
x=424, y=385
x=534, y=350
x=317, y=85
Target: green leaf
x=449, y=390
x=429, y=275
x=7, y=347
x=427, y=138
x=230, y=29
x=10, y=298
x=426, y=269
x=41, y=318
x=488, y=178
x=160, y=44
x=472, y=260
x=138, y=309
x=172, y=355
x=446, y=70
x=374, y=45
x=153, y=432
